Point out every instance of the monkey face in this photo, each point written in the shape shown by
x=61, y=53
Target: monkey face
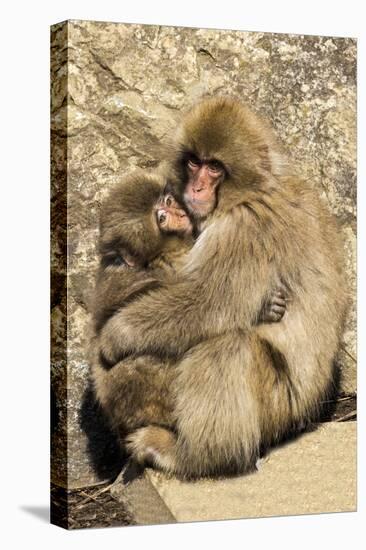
x=137, y=220
x=203, y=179
x=219, y=152
x=170, y=216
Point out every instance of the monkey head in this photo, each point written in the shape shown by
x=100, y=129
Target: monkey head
x=221, y=149
x=136, y=218
x=171, y=216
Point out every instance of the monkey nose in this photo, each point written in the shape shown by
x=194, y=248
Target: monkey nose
x=162, y=216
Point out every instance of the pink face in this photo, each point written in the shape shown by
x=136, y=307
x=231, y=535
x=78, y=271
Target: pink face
x=204, y=178
x=171, y=217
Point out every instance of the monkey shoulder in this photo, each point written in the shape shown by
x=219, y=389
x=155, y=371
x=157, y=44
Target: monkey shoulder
x=240, y=220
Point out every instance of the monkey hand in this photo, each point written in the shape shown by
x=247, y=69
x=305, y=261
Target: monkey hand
x=274, y=306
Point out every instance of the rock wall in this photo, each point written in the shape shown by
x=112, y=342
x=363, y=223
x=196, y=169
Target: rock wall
x=117, y=92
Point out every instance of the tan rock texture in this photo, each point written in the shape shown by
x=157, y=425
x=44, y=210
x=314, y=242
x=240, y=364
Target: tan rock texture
x=313, y=474
x=117, y=92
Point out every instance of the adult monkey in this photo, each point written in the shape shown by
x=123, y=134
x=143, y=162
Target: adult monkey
x=260, y=224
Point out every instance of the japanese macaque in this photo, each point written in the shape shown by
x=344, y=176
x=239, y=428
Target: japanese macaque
x=239, y=386
x=144, y=236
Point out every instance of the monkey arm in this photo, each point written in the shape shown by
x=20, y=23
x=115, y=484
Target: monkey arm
x=115, y=288
x=221, y=287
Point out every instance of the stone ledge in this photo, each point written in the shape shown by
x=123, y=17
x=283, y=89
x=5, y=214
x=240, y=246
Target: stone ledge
x=316, y=473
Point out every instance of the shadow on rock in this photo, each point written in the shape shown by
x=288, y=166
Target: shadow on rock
x=104, y=451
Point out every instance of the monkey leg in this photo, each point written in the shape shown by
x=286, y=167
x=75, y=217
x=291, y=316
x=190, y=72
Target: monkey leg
x=219, y=411
x=135, y=392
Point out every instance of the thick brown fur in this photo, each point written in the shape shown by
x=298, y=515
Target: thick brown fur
x=252, y=384
x=128, y=228
x=136, y=390
x=135, y=257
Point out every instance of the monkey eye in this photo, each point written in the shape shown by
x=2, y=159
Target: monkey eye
x=113, y=259
x=168, y=200
x=215, y=165
x=118, y=260
x=193, y=161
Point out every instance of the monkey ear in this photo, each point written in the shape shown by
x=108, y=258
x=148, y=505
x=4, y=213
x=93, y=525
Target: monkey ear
x=265, y=161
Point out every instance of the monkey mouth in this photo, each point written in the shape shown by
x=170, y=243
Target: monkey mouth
x=196, y=202
x=182, y=214
x=198, y=209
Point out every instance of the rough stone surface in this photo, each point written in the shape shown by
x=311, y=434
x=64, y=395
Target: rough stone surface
x=117, y=92
x=313, y=474
x=143, y=502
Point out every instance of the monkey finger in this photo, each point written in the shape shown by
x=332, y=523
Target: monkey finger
x=278, y=309
x=282, y=290
x=272, y=317
x=279, y=302
x=282, y=297
x=282, y=287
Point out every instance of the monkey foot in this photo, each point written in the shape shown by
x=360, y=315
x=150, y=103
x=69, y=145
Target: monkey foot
x=152, y=445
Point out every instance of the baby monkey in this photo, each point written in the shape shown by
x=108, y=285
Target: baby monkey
x=144, y=235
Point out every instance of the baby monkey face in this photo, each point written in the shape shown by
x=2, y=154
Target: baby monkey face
x=171, y=217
